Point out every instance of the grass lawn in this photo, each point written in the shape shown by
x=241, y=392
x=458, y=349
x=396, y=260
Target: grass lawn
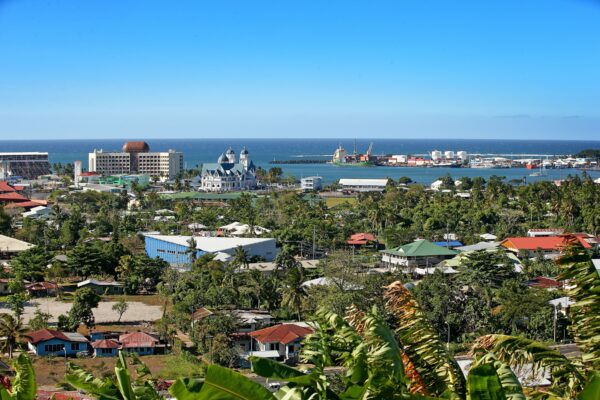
x=50, y=370
x=336, y=201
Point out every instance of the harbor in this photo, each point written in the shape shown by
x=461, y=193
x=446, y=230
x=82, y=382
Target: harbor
x=449, y=159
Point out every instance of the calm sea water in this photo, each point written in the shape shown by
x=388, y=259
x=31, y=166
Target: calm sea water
x=197, y=151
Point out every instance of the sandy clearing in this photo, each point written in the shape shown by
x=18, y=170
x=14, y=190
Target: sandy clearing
x=137, y=311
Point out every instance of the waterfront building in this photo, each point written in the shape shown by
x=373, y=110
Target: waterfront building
x=26, y=165
x=175, y=249
x=363, y=185
x=136, y=158
x=228, y=175
x=311, y=183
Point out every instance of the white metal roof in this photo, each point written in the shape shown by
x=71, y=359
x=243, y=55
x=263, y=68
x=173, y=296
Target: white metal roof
x=11, y=245
x=210, y=244
x=363, y=182
x=97, y=283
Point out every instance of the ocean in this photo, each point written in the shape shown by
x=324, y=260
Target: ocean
x=198, y=151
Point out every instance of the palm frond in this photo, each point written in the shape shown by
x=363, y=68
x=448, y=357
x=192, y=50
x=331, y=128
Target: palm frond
x=421, y=344
x=584, y=288
x=520, y=352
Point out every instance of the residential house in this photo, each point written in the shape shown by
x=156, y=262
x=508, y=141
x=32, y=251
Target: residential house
x=363, y=239
x=42, y=289
x=548, y=246
x=419, y=253
x=141, y=343
x=105, y=348
x=10, y=247
x=280, y=342
x=48, y=342
x=101, y=287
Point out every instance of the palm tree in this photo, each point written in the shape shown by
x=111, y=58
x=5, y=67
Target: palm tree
x=293, y=293
x=12, y=332
x=192, y=251
x=240, y=258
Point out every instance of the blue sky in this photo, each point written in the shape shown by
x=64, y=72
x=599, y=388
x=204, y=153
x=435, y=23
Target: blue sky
x=159, y=69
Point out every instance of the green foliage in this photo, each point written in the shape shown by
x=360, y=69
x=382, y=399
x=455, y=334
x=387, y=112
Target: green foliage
x=31, y=264
x=140, y=273
x=39, y=320
x=84, y=300
x=24, y=386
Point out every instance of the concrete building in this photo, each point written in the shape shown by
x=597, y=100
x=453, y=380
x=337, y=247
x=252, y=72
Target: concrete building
x=228, y=175
x=311, y=183
x=175, y=249
x=363, y=185
x=27, y=165
x=136, y=158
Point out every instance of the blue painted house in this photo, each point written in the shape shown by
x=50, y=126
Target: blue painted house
x=105, y=348
x=48, y=342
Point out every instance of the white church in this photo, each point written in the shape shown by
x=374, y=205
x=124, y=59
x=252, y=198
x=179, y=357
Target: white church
x=228, y=175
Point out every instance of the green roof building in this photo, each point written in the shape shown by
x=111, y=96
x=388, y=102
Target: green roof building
x=418, y=253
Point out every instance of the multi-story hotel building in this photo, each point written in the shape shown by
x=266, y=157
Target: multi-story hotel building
x=136, y=158
x=27, y=165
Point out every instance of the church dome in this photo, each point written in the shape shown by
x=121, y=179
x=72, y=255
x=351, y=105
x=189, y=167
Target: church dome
x=244, y=152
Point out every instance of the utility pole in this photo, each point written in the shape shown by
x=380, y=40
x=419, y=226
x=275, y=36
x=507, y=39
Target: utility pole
x=313, y=249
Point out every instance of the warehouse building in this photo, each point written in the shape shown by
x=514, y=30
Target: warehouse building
x=176, y=249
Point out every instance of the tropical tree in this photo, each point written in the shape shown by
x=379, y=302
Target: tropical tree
x=120, y=308
x=293, y=293
x=240, y=258
x=11, y=332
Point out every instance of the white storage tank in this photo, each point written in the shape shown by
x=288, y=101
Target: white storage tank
x=436, y=155
x=463, y=155
x=449, y=154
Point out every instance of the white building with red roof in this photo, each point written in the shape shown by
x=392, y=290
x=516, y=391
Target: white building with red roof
x=281, y=342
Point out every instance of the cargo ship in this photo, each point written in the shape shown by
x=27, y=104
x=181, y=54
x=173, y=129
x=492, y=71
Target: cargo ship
x=342, y=159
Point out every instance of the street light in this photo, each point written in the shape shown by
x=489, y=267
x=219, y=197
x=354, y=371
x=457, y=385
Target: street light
x=448, y=337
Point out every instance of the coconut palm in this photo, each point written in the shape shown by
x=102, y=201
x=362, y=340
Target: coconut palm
x=192, y=250
x=240, y=258
x=12, y=332
x=292, y=292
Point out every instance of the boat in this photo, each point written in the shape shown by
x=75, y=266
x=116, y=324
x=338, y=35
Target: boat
x=342, y=159
x=541, y=172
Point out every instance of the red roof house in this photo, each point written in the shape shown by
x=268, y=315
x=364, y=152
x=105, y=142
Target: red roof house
x=12, y=197
x=361, y=239
x=141, y=343
x=282, y=342
x=547, y=244
x=105, y=348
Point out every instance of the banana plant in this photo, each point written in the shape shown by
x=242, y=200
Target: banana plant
x=23, y=385
x=122, y=387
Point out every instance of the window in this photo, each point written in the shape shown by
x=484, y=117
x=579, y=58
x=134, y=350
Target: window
x=53, y=348
x=290, y=349
x=273, y=346
x=75, y=346
x=105, y=351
